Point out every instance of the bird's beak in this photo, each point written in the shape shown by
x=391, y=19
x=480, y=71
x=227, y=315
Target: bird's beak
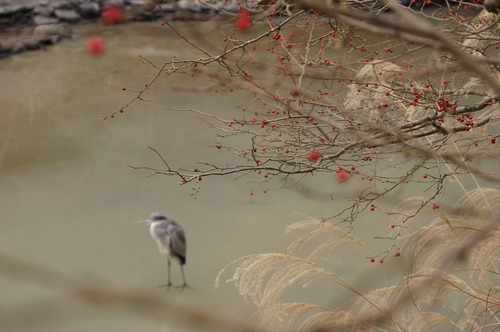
x=147, y=221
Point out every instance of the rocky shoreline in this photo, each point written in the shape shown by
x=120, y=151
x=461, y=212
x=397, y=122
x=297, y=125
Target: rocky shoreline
x=32, y=24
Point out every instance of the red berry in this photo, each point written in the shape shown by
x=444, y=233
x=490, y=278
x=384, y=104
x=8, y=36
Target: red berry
x=342, y=175
x=392, y=226
x=397, y=254
x=313, y=156
x=493, y=140
x=243, y=19
x=372, y=260
x=435, y=206
x=112, y=14
x=425, y=176
x=95, y=45
x=381, y=260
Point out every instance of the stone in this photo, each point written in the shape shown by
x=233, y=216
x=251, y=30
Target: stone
x=10, y=47
x=120, y=3
x=230, y=7
x=10, y=10
x=33, y=43
x=67, y=15
x=15, y=14
x=43, y=10
x=60, y=4
x=166, y=8
x=42, y=19
x=59, y=29
x=89, y=10
x=187, y=6
x=137, y=2
x=145, y=17
x=492, y=6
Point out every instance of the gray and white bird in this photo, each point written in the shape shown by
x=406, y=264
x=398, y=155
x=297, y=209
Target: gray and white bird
x=171, y=241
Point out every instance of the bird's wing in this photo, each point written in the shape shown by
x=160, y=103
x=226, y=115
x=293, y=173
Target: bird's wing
x=178, y=242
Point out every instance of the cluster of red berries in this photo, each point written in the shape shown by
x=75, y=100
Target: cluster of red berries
x=396, y=254
x=416, y=97
x=467, y=121
x=444, y=104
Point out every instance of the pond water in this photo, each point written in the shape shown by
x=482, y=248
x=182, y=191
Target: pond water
x=68, y=200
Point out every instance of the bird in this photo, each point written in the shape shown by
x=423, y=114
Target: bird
x=171, y=241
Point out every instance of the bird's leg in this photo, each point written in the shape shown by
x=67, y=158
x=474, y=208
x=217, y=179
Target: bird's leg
x=168, y=284
x=184, y=284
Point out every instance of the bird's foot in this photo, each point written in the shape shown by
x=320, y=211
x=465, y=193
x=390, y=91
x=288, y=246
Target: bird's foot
x=183, y=286
x=166, y=285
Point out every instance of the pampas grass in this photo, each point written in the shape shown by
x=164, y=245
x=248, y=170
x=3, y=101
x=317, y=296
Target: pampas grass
x=451, y=279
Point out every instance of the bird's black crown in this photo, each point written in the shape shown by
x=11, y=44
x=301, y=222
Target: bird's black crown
x=158, y=217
